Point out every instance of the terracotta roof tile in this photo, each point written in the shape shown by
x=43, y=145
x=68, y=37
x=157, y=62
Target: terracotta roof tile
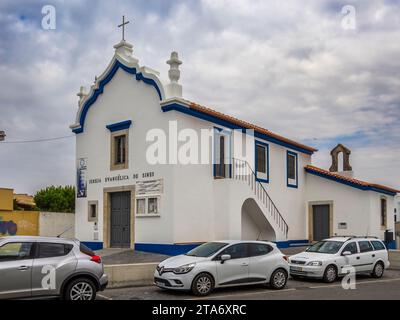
x=247, y=125
x=350, y=180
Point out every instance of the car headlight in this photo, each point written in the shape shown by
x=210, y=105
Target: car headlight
x=314, y=263
x=184, y=269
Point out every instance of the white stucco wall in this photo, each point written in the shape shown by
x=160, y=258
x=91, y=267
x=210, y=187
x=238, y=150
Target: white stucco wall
x=124, y=98
x=358, y=208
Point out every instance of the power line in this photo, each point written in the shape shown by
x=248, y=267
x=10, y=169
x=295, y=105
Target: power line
x=38, y=140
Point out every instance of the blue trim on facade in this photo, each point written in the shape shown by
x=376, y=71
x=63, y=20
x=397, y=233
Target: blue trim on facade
x=177, y=249
x=291, y=243
x=94, y=245
x=168, y=249
x=119, y=126
x=297, y=169
x=392, y=245
x=266, y=145
x=138, y=76
x=350, y=184
x=206, y=117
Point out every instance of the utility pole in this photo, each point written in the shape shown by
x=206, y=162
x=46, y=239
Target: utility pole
x=2, y=135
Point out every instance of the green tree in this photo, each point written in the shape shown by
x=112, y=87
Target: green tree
x=56, y=199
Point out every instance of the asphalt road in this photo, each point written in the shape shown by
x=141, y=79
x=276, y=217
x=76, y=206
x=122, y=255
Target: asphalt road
x=388, y=287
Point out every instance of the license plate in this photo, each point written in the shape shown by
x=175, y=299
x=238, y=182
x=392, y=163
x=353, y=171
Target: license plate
x=296, y=268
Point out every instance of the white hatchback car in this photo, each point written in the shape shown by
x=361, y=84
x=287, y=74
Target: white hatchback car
x=330, y=258
x=223, y=264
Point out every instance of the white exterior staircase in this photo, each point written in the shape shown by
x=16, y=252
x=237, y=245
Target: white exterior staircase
x=241, y=171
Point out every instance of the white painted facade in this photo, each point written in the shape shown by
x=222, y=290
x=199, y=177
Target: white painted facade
x=193, y=205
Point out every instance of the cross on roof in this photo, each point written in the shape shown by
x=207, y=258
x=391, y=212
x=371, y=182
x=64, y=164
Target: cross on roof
x=123, y=24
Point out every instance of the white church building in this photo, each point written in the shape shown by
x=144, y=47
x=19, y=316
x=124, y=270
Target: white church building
x=159, y=173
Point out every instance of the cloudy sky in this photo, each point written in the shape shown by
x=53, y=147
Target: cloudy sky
x=294, y=67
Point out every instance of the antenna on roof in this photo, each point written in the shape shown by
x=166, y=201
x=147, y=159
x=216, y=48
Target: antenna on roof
x=65, y=231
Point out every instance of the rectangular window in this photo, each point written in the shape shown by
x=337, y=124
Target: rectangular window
x=140, y=206
x=92, y=211
x=119, y=150
x=119, y=144
x=152, y=205
x=222, y=153
x=261, y=161
x=292, y=170
x=383, y=212
x=148, y=205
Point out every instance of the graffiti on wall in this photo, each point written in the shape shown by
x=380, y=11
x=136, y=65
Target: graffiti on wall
x=8, y=227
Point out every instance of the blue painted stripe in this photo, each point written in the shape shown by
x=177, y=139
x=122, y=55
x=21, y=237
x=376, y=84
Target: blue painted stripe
x=392, y=245
x=349, y=183
x=94, y=245
x=291, y=243
x=138, y=76
x=176, y=249
x=221, y=122
x=168, y=249
x=119, y=125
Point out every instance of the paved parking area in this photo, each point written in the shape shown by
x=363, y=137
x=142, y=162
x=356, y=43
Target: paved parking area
x=387, y=287
x=127, y=256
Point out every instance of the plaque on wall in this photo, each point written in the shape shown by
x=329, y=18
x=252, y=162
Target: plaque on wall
x=149, y=187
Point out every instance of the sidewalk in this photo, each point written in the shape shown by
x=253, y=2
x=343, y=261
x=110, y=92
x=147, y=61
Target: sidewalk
x=128, y=256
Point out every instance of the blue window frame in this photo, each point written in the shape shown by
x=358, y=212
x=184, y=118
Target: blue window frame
x=292, y=171
x=261, y=159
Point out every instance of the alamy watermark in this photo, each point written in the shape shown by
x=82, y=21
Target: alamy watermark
x=189, y=146
x=349, y=21
x=49, y=17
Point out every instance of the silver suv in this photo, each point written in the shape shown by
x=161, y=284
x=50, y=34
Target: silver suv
x=31, y=267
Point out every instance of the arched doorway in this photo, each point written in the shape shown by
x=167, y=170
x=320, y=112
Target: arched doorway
x=255, y=225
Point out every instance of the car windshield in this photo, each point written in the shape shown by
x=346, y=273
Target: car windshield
x=206, y=249
x=330, y=247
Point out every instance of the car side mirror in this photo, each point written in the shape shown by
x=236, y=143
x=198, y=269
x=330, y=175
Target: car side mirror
x=225, y=257
x=346, y=253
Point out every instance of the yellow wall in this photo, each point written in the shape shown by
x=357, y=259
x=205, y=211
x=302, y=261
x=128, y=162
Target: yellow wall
x=6, y=199
x=22, y=223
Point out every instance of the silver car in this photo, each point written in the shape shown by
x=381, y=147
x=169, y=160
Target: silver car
x=32, y=267
x=224, y=264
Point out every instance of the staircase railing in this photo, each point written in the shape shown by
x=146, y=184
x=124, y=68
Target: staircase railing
x=242, y=171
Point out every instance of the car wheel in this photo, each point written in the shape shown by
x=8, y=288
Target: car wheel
x=278, y=279
x=330, y=274
x=378, y=270
x=203, y=284
x=80, y=289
